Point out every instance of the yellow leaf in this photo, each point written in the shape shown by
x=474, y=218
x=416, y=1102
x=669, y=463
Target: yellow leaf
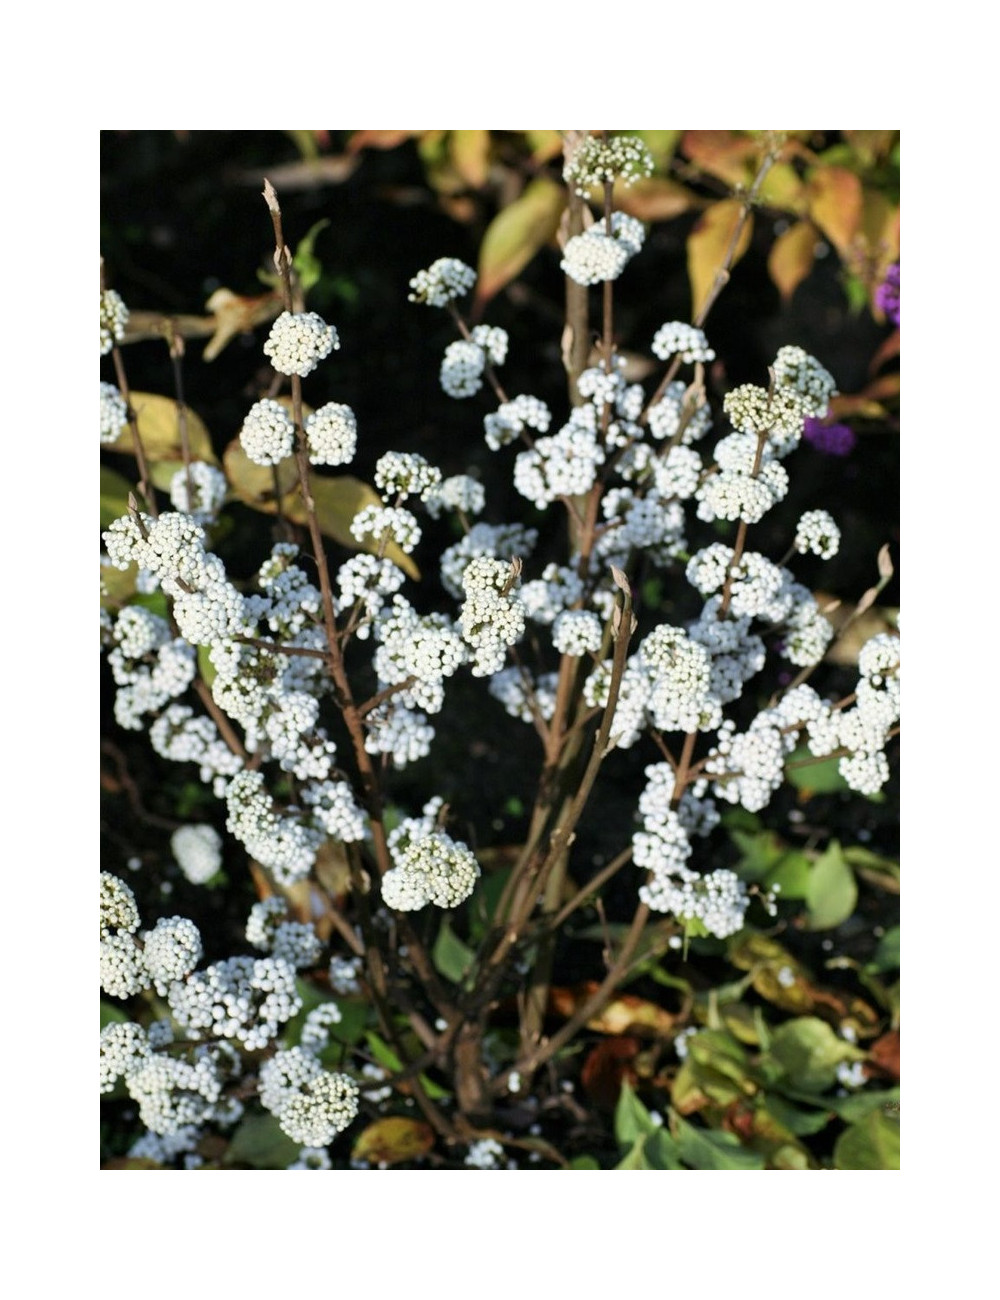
x=791, y=257
x=783, y=188
x=726, y=154
x=544, y=145
x=393, y=1140
x=835, y=205
x=656, y=199
x=470, y=156
x=337, y=500
x=516, y=234
x=708, y=245
x=159, y=430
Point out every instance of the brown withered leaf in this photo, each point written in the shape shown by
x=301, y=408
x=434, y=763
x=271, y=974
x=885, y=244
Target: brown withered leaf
x=393, y=1140
x=624, y=1014
x=607, y=1064
x=884, y=1054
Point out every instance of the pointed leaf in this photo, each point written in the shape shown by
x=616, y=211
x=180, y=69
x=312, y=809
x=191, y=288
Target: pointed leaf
x=833, y=892
x=704, y=1148
x=809, y=1052
x=792, y=256
x=451, y=956
x=835, y=201
x=872, y=1144
x=726, y=154
x=655, y=198
x=159, y=430
x=260, y=1142
x=115, y=491
x=784, y=188
x=632, y=1119
x=470, y=156
x=708, y=246
x=516, y=234
x=543, y=145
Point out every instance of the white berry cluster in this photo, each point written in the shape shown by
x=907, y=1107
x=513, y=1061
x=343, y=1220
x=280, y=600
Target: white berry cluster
x=443, y=282
x=428, y=866
x=243, y=998
x=681, y=413
x=198, y=852
x=299, y=341
x=382, y=524
x=460, y=492
x=311, y=1104
x=199, y=490
x=114, y=413
x=114, y=318
x=677, y=339
x=332, y=434
x=597, y=161
x=492, y=616
x=817, y=533
x=268, y=432
x=511, y=418
x=564, y=464
x=402, y=474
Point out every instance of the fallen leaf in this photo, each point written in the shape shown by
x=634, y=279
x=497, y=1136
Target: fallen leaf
x=393, y=1140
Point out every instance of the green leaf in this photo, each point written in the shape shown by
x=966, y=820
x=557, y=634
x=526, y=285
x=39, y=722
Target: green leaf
x=306, y=263
x=111, y=1014
x=632, y=1119
x=205, y=666
x=583, y=1162
x=635, y=1157
x=703, y=1148
x=387, y=1058
x=260, y=1142
x=809, y=1051
x=791, y=876
x=661, y=1151
x=887, y=953
x=451, y=957
x=872, y=1144
x=516, y=234
x=115, y=489
x=858, y=1106
x=800, y=1122
x=833, y=892
x=815, y=776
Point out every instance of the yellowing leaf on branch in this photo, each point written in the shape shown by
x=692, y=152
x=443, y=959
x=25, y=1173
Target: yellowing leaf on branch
x=708, y=246
x=470, y=156
x=727, y=155
x=160, y=431
x=835, y=203
x=655, y=198
x=792, y=256
x=337, y=500
x=516, y=234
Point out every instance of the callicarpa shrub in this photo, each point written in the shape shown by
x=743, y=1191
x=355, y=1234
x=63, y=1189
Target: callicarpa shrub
x=401, y=993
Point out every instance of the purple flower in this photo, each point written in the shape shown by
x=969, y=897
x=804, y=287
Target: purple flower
x=831, y=439
x=887, y=294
